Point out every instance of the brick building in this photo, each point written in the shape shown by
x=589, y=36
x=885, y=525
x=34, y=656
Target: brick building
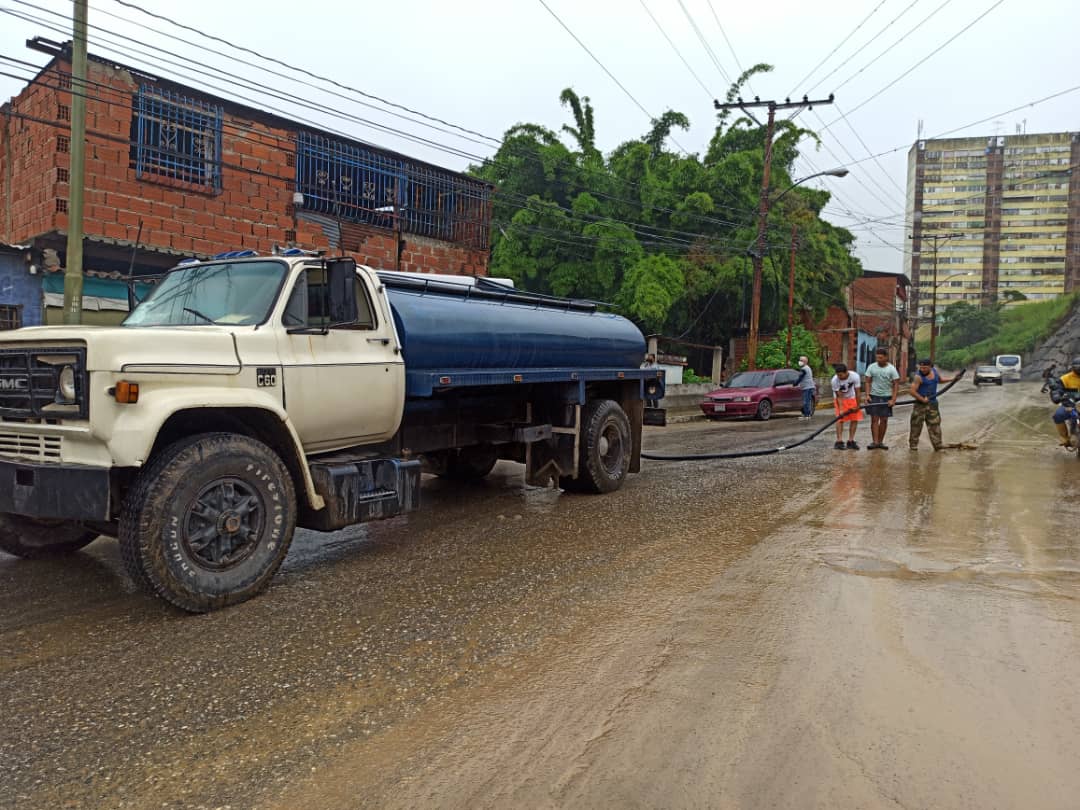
x=186, y=174
x=874, y=312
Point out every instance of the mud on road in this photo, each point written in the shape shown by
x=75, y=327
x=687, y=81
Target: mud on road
x=815, y=629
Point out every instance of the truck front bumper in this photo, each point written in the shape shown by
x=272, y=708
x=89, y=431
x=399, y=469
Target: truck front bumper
x=62, y=491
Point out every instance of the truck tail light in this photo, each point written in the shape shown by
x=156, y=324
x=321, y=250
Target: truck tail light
x=126, y=393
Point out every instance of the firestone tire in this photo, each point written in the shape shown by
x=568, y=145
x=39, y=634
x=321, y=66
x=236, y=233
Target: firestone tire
x=32, y=539
x=606, y=445
x=764, y=411
x=208, y=523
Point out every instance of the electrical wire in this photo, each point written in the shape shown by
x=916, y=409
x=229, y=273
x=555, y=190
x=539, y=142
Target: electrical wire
x=829, y=55
x=731, y=47
x=603, y=67
x=911, y=31
x=705, y=44
x=675, y=48
x=862, y=47
x=921, y=61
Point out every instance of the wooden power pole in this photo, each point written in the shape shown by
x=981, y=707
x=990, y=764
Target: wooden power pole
x=758, y=251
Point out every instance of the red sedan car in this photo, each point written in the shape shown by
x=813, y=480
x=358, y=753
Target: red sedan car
x=758, y=393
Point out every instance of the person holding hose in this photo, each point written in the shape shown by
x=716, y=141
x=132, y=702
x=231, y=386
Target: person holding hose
x=924, y=386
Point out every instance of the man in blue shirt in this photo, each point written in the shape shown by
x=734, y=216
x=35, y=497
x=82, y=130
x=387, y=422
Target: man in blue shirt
x=924, y=387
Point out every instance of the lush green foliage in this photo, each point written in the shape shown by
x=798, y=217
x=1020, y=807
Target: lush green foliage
x=689, y=377
x=964, y=324
x=1020, y=330
x=774, y=353
x=662, y=235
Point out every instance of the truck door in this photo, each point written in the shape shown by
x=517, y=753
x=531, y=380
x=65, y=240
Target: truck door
x=343, y=385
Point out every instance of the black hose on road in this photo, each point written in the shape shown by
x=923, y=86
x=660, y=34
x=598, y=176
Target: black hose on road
x=771, y=451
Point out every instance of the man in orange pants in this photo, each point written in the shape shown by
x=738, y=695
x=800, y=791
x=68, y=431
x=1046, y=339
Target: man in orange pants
x=845, y=387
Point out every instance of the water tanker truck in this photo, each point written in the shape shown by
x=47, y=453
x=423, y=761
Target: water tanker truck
x=250, y=395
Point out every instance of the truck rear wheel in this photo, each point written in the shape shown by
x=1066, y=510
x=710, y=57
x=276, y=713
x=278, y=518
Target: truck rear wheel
x=606, y=445
x=209, y=521
x=30, y=538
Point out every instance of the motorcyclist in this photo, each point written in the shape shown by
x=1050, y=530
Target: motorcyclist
x=1065, y=391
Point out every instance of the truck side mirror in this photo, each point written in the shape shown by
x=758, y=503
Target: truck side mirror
x=341, y=282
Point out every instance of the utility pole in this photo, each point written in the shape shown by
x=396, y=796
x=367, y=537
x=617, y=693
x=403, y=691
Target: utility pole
x=944, y=237
x=73, y=271
x=764, y=202
x=791, y=295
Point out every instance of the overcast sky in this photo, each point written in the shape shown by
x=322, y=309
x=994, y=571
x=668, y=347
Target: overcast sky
x=486, y=65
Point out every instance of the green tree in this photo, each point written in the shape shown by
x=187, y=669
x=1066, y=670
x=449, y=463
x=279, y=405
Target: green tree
x=773, y=354
x=663, y=235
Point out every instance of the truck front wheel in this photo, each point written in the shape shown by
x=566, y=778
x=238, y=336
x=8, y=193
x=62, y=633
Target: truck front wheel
x=604, y=460
x=209, y=521
x=29, y=538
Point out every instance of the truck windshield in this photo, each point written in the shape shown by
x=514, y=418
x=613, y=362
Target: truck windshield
x=233, y=294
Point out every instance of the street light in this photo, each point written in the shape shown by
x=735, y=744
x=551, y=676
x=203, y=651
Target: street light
x=759, y=257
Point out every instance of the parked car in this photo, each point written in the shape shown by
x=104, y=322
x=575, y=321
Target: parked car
x=755, y=393
x=987, y=374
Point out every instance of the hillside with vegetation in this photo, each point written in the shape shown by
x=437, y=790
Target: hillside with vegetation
x=971, y=334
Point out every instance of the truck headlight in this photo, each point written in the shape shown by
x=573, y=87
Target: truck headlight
x=66, y=384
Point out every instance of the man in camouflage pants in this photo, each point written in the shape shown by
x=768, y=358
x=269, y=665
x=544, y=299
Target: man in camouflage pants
x=924, y=387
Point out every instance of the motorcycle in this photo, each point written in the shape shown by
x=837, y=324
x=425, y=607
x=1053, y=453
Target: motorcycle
x=1067, y=398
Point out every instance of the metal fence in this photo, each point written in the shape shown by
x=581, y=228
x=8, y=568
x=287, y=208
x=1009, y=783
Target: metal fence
x=176, y=137
x=359, y=184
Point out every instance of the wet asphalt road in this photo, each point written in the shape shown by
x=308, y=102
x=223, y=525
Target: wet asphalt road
x=816, y=629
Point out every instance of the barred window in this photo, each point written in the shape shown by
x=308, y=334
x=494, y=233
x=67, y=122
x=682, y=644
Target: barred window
x=10, y=316
x=355, y=183
x=176, y=138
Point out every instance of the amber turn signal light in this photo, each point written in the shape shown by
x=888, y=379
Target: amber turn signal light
x=126, y=393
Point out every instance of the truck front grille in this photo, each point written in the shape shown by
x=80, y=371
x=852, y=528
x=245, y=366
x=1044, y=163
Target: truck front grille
x=28, y=380
x=31, y=447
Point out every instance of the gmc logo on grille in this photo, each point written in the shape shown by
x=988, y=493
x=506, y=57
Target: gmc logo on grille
x=14, y=384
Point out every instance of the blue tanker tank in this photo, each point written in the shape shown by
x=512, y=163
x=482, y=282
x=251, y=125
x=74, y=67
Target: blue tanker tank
x=447, y=326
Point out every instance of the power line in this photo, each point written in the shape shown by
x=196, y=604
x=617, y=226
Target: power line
x=885, y=202
x=932, y=53
x=971, y=124
x=603, y=67
x=911, y=31
x=731, y=48
x=877, y=162
x=157, y=61
x=678, y=53
x=243, y=49
x=705, y=44
x=829, y=55
x=864, y=46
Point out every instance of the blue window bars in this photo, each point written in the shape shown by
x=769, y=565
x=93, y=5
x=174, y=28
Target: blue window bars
x=355, y=183
x=177, y=138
